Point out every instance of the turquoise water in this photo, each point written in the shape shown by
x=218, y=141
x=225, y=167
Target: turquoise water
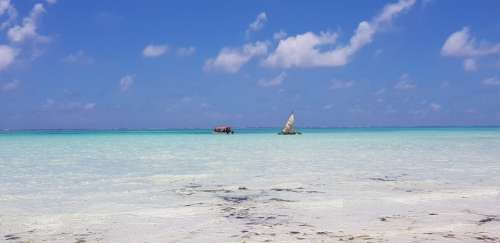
x=125, y=185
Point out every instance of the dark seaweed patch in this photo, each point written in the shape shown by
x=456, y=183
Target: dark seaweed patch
x=314, y=192
x=280, y=200
x=284, y=190
x=235, y=199
x=239, y=204
x=487, y=220
x=487, y=238
x=193, y=204
x=193, y=185
x=12, y=237
x=305, y=225
x=385, y=178
x=297, y=190
x=216, y=190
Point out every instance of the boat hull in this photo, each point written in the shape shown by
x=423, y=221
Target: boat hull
x=289, y=133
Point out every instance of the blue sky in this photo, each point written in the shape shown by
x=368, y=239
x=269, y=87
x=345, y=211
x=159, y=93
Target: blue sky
x=158, y=64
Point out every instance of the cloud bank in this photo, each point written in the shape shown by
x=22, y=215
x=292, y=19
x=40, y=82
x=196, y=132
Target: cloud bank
x=307, y=49
x=18, y=34
x=154, y=50
x=230, y=60
x=28, y=29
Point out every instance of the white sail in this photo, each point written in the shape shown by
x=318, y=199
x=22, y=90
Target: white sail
x=290, y=125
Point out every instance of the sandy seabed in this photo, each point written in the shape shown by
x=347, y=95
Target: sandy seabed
x=413, y=185
x=377, y=209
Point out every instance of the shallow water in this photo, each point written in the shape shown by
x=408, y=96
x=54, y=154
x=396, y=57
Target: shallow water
x=377, y=185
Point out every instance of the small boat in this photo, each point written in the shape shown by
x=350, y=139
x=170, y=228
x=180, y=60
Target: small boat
x=223, y=129
x=289, y=128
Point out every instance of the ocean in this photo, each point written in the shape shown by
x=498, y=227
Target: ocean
x=341, y=184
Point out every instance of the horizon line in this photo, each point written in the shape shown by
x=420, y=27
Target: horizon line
x=205, y=128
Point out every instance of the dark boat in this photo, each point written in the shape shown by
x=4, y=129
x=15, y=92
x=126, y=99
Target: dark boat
x=223, y=130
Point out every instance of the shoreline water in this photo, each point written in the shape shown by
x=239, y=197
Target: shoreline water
x=393, y=186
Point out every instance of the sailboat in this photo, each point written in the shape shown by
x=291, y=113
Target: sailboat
x=289, y=128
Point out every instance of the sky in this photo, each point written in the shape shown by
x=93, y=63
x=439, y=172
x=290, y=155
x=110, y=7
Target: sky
x=196, y=64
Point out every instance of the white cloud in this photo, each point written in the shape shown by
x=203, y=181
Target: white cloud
x=49, y=103
x=7, y=8
x=4, y=6
x=492, y=81
x=308, y=49
x=302, y=50
x=232, y=59
x=27, y=30
x=380, y=92
x=470, y=65
x=7, y=56
x=186, y=51
x=51, y=1
x=205, y=105
x=392, y=10
x=154, y=50
x=435, y=107
x=258, y=23
x=78, y=57
x=68, y=106
x=89, y=106
x=445, y=84
x=328, y=106
x=186, y=99
x=405, y=83
x=126, y=82
x=462, y=44
x=276, y=81
x=279, y=35
x=341, y=84
x=11, y=86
